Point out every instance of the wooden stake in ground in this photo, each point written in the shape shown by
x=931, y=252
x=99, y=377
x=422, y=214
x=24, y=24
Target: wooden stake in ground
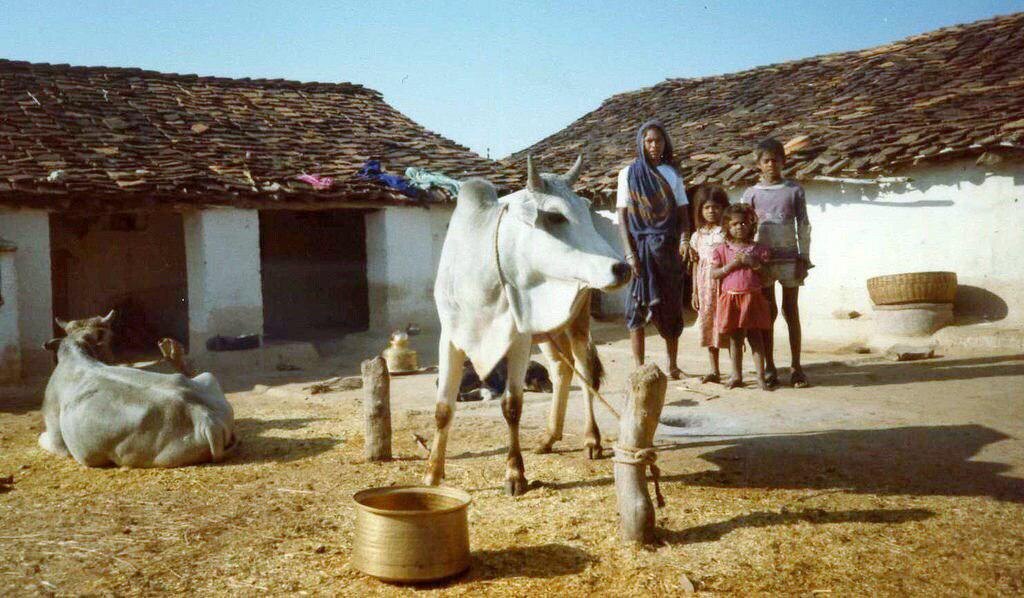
x=633, y=453
x=377, y=409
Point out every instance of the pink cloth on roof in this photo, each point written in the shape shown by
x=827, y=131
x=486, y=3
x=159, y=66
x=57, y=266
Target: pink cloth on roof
x=740, y=280
x=318, y=182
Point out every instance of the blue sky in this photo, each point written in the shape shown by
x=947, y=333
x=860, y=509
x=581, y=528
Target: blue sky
x=495, y=76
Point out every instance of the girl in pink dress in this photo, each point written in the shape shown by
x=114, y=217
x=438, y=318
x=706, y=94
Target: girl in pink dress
x=743, y=311
x=709, y=203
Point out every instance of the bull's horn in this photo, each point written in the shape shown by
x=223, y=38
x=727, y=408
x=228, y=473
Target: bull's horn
x=107, y=318
x=61, y=323
x=574, y=172
x=533, y=181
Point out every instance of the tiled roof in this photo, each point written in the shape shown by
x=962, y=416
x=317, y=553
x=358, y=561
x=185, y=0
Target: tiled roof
x=953, y=92
x=132, y=138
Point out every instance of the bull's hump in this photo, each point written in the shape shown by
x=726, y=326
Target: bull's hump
x=477, y=193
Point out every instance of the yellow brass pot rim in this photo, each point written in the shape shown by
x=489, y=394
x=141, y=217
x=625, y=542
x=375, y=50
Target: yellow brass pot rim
x=460, y=495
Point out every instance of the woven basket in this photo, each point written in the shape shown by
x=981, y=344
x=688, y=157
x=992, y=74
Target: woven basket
x=915, y=287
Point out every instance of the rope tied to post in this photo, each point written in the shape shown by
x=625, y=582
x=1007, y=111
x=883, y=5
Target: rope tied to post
x=643, y=457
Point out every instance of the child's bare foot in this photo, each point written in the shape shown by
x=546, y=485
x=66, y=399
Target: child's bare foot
x=734, y=383
x=709, y=378
x=798, y=379
x=771, y=377
x=674, y=372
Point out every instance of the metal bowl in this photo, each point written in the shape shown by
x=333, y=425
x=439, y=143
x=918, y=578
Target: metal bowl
x=411, y=533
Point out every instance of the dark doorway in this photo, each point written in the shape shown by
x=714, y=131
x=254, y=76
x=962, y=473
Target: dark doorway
x=132, y=263
x=314, y=273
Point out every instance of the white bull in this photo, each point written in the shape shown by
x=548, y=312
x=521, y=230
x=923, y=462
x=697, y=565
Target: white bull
x=512, y=271
x=102, y=415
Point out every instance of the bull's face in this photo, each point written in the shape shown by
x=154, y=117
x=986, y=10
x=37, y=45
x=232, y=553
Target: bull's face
x=552, y=235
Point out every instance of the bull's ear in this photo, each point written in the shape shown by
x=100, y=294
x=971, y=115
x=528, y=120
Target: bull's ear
x=574, y=172
x=52, y=344
x=107, y=318
x=534, y=183
x=524, y=209
x=61, y=323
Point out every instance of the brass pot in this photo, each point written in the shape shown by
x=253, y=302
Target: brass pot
x=411, y=533
x=399, y=357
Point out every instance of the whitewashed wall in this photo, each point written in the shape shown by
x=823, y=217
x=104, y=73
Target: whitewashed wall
x=222, y=249
x=403, y=250
x=30, y=231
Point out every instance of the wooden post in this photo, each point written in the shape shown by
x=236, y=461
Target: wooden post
x=377, y=409
x=637, y=425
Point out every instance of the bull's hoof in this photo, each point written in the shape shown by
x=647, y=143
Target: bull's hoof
x=516, y=486
x=594, y=450
x=432, y=479
x=543, y=449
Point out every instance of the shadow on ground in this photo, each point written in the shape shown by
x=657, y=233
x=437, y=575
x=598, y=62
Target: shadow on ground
x=255, y=447
x=936, y=370
x=917, y=461
x=544, y=561
x=713, y=532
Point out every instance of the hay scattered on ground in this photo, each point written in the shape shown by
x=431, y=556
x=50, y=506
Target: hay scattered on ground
x=277, y=517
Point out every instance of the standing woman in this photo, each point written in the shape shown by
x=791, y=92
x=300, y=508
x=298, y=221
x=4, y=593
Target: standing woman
x=655, y=226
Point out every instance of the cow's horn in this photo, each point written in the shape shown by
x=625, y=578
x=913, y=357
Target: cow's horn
x=533, y=181
x=107, y=318
x=574, y=172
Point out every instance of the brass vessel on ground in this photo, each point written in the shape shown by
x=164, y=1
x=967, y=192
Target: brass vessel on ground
x=399, y=356
x=411, y=533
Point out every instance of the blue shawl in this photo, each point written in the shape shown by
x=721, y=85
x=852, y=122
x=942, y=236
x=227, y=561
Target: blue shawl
x=653, y=223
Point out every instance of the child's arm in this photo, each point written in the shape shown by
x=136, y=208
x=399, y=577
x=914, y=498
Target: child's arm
x=719, y=271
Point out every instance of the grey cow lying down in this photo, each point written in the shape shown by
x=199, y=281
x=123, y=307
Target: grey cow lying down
x=111, y=415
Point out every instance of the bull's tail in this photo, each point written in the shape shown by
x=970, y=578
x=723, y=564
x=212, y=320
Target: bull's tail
x=596, y=367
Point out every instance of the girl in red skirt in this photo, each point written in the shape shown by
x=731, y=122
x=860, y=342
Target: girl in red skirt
x=742, y=311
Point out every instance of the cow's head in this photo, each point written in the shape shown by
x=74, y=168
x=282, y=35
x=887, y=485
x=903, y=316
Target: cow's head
x=551, y=235
x=92, y=334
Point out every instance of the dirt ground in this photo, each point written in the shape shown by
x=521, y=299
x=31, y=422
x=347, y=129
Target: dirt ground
x=883, y=478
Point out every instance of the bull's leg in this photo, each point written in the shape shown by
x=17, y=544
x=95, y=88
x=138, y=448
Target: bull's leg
x=560, y=380
x=512, y=409
x=449, y=374
x=51, y=438
x=586, y=362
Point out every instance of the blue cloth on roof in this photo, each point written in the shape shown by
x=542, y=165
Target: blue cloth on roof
x=371, y=171
x=653, y=223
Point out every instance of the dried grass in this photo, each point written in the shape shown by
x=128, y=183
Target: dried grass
x=277, y=518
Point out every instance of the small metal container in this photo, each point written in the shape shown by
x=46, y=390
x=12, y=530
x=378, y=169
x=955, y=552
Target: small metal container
x=411, y=533
x=400, y=358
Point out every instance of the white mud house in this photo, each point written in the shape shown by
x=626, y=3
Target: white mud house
x=912, y=156
x=175, y=200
